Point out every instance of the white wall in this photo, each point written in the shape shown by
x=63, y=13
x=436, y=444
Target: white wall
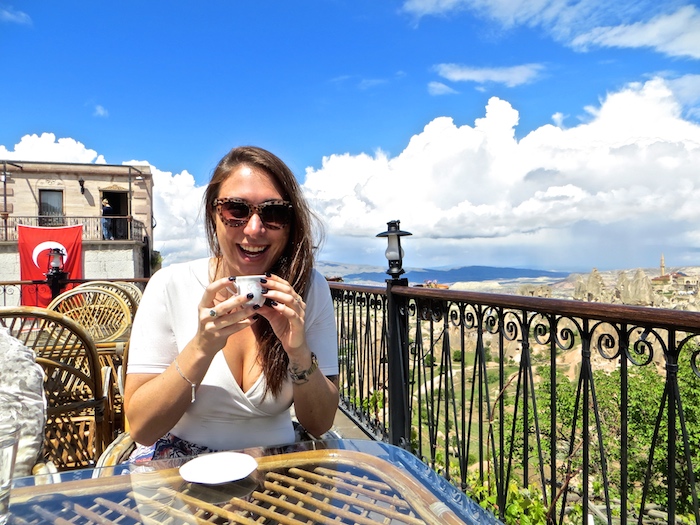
x=100, y=261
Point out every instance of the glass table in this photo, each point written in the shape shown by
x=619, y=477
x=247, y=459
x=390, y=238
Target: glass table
x=333, y=481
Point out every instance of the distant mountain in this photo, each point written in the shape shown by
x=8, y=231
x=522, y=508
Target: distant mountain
x=358, y=273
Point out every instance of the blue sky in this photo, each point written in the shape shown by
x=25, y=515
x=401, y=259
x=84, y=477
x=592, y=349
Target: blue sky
x=505, y=133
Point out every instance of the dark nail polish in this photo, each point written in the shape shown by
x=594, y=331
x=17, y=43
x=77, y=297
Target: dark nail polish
x=256, y=307
x=256, y=317
x=273, y=303
x=263, y=280
x=268, y=274
x=264, y=291
x=232, y=278
x=250, y=295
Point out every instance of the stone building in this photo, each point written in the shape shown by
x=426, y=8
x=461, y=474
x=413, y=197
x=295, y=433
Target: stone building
x=60, y=194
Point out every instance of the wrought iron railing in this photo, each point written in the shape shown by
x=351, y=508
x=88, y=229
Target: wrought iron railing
x=123, y=227
x=11, y=291
x=594, y=407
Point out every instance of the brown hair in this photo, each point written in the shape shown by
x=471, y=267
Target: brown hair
x=296, y=261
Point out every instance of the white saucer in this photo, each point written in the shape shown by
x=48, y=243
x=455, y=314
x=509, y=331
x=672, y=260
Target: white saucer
x=219, y=467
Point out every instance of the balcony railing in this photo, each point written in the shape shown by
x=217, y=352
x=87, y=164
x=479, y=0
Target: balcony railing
x=123, y=227
x=584, y=408
x=592, y=408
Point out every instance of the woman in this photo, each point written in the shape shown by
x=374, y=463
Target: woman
x=208, y=372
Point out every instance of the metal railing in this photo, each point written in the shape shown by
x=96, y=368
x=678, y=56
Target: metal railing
x=593, y=407
x=123, y=227
x=11, y=291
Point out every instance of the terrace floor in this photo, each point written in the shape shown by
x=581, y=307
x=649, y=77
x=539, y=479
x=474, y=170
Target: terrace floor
x=346, y=428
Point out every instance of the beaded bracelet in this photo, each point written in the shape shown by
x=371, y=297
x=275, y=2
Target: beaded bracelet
x=194, y=386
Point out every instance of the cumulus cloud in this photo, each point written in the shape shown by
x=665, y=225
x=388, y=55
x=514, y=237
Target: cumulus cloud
x=46, y=148
x=510, y=76
x=179, y=234
x=619, y=188
x=477, y=190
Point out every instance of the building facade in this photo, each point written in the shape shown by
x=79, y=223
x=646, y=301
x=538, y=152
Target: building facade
x=116, y=244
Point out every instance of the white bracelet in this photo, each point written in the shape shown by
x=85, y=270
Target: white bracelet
x=183, y=377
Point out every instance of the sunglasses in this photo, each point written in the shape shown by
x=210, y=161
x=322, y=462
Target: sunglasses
x=236, y=212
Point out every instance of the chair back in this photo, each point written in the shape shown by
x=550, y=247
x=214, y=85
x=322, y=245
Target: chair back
x=78, y=424
x=102, y=312
x=134, y=289
x=121, y=289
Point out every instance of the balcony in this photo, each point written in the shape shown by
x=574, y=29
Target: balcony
x=549, y=409
x=125, y=228
x=572, y=410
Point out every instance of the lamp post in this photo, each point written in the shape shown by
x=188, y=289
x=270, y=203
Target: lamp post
x=55, y=276
x=397, y=328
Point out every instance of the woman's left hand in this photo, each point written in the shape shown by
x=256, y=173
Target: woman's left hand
x=285, y=310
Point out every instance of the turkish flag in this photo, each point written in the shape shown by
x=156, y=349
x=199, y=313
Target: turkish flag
x=34, y=243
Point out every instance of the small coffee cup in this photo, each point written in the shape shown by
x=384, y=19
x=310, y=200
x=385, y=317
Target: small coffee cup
x=247, y=284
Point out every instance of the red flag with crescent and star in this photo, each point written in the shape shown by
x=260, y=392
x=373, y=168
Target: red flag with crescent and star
x=34, y=243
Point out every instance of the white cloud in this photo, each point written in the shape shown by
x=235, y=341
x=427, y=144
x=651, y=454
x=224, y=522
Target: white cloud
x=558, y=119
x=438, y=88
x=510, y=76
x=665, y=27
x=177, y=200
x=47, y=148
x=674, y=34
x=369, y=83
x=476, y=190
x=100, y=111
x=11, y=15
x=620, y=188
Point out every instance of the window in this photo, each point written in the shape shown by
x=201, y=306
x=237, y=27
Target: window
x=51, y=208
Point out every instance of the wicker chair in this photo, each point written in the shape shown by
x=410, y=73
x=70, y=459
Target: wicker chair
x=127, y=293
x=133, y=289
x=103, y=313
x=78, y=390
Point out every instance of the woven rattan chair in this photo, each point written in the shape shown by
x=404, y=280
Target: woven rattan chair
x=77, y=388
x=134, y=289
x=121, y=289
x=103, y=313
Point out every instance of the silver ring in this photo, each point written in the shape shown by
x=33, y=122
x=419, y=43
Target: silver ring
x=298, y=300
x=212, y=312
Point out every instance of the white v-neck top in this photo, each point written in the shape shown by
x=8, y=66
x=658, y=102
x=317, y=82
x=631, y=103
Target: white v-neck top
x=223, y=417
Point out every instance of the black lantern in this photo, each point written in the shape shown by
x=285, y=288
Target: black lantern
x=55, y=276
x=81, y=181
x=394, y=252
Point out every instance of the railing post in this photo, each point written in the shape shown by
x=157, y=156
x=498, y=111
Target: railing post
x=399, y=413
x=397, y=334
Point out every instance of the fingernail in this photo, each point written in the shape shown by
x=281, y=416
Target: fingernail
x=256, y=307
x=263, y=280
x=264, y=291
x=250, y=295
x=273, y=303
x=268, y=274
x=256, y=317
x=232, y=278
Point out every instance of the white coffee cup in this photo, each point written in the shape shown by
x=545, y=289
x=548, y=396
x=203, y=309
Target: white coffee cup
x=247, y=284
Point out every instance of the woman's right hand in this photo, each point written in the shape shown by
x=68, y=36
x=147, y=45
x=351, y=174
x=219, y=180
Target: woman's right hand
x=222, y=314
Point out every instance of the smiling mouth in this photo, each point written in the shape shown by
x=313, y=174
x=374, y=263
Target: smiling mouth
x=252, y=251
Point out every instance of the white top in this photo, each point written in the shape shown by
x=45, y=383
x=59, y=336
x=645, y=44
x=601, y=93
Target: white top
x=223, y=417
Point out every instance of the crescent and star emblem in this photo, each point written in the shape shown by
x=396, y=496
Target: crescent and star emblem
x=47, y=245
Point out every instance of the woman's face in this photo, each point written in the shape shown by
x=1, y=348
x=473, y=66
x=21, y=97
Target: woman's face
x=251, y=248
